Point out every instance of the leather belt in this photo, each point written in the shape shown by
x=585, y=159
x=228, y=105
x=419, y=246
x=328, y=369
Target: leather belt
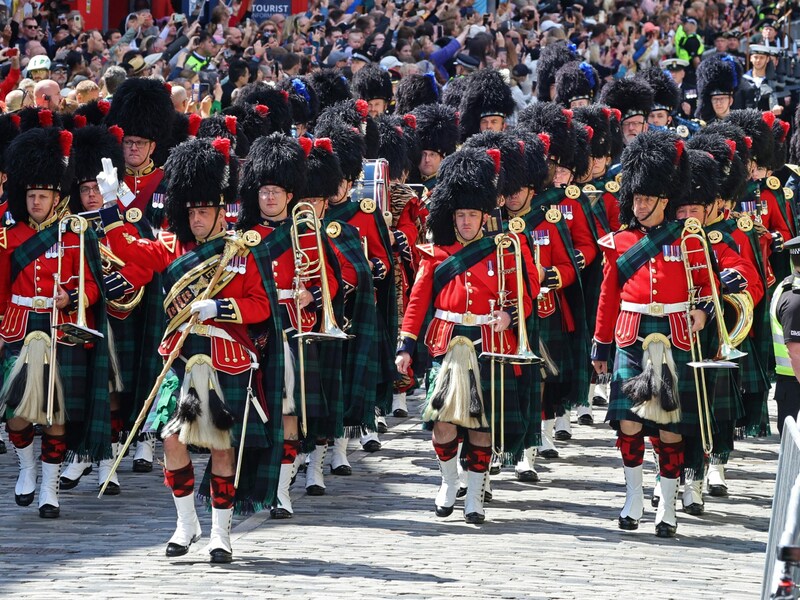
x=654, y=309
x=207, y=331
x=37, y=302
x=463, y=319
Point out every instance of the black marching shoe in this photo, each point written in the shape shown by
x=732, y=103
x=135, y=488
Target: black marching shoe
x=142, y=466
x=462, y=491
x=68, y=484
x=48, y=511
x=527, y=476
x=342, y=470
x=279, y=513
x=3, y=448
x=24, y=499
x=562, y=436
x=586, y=420
x=548, y=453
x=599, y=401
x=315, y=490
x=174, y=549
x=221, y=556
x=665, y=530
x=695, y=509
x=628, y=524
x=372, y=446
x=444, y=511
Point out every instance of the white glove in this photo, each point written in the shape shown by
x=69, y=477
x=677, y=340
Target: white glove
x=205, y=309
x=107, y=181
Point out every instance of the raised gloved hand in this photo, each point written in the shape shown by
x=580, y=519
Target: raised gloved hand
x=378, y=269
x=108, y=181
x=732, y=281
x=205, y=309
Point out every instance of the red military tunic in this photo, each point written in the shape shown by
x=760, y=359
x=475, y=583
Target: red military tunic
x=35, y=284
x=467, y=294
x=660, y=281
x=611, y=203
x=143, y=184
x=283, y=271
x=579, y=228
x=367, y=229
x=242, y=302
x=743, y=261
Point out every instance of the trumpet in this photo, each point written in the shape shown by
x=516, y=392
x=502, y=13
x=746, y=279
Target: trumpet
x=306, y=267
x=78, y=332
x=726, y=352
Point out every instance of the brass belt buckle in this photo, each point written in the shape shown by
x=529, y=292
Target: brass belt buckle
x=39, y=302
x=656, y=309
x=468, y=318
x=200, y=329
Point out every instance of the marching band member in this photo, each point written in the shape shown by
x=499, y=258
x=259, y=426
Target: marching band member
x=486, y=104
x=217, y=372
x=374, y=85
x=349, y=146
x=438, y=134
x=91, y=145
x=459, y=281
x=38, y=287
x=644, y=310
x=718, y=80
x=633, y=98
x=273, y=176
x=577, y=84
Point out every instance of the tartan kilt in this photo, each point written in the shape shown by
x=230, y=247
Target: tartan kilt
x=125, y=334
x=150, y=325
x=516, y=415
x=73, y=370
x=557, y=342
x=628, y=364
x=753, y=374
x=253, y=493
x=317, y=410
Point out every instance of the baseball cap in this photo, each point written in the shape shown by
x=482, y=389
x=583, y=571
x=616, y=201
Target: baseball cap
x=390, y=62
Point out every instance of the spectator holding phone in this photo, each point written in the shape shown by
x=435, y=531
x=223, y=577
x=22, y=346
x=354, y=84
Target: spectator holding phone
x=204, y=47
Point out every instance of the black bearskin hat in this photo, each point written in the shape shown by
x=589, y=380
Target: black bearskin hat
x=35, y=117
x=437, y=128
x=666, y=93
x=551, y=58
x=535, y=150
x=280, y=113
x=555, y=121
x=143, y=108
x=454, y=91
x=348, y=145
x=197, y=175
x=729, y=131
x=225, y=126
x=653, y=164
x=39, y=158
x=487, y=95
x=324, y=174
x=254, y=121
x=276, y=159
x=331, y=87
x=615, y=127
x=716, y=76
x=395, y=146
x=9, y=129
x=409, y=124
x=354, y=113
x=303, y=100
x=794, y=147
x=576, y=81
x=467, y=180
x=94, y=112
x=733, y=175
x=705, y=180
x=758, y=127
x=598, y=117
x=584, y=134
x=780, y=132
x=416, y=90
x=90, y=145
x=632, y=96
x=513, y=175
x=372, y=83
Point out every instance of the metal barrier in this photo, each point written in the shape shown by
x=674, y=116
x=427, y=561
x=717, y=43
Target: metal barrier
x=784, y=525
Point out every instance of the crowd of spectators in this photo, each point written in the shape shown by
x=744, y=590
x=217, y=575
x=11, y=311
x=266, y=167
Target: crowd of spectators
x=48, y=58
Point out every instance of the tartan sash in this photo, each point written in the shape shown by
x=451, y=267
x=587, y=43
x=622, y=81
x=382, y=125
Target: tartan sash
x=726, y=227
x=463, y=259
x=544, y=199
x=33, y=248
x=599, y=209
x=780, y=200
x=646, y=248
x=347, y=210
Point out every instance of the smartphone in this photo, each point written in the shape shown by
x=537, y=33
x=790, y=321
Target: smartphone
x=178, y=18
x=12, y=52
x=200, y=91
x=308, y=50
x=485, y=20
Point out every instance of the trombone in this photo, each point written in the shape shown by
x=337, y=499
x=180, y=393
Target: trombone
x=306, y=267
x=726, y=352
x=73, y=333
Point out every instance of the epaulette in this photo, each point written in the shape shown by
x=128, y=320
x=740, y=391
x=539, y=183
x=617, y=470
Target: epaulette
x=170, y=240
x=426, y=249
x=607, y=241
x=3, y=238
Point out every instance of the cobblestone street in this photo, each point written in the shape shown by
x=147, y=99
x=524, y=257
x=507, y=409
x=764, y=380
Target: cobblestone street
x=374, y=534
